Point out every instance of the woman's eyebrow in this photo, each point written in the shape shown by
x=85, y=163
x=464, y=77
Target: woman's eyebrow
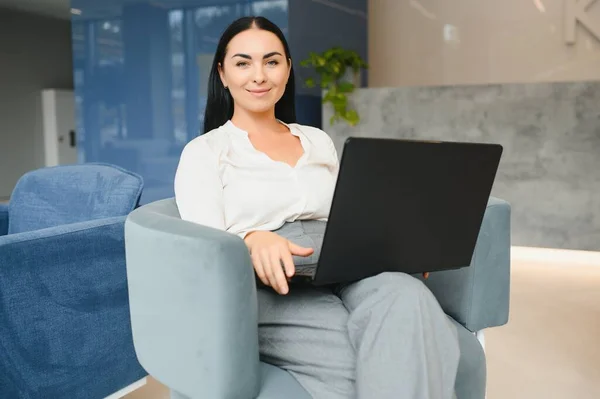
x=271, y=54
x=246, y=56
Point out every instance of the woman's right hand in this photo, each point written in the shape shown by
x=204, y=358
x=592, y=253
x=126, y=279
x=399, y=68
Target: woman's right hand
x=269, y=251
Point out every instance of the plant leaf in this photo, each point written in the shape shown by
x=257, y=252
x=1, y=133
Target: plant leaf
x=329, y=97
x=352, y=117
x=330, y=66
x=339, y=107
x=346, y=87
x=339, y=102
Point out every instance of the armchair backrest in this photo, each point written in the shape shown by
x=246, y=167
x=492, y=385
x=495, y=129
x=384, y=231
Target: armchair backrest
x=59, y=195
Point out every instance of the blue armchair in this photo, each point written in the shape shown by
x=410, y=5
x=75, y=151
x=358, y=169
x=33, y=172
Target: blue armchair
x=194, y=307
x=65, y=328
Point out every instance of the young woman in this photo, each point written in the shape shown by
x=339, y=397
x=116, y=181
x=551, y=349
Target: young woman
x=253, y=171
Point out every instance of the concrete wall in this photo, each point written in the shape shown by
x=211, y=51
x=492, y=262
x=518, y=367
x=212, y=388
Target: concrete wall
x=550, y=171
x=35, y=53
x=441, y=42
x=521, y=73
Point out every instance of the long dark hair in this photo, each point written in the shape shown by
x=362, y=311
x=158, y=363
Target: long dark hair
x=219, y=104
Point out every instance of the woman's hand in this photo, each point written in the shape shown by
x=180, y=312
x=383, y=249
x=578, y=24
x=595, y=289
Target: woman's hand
x=269, y=251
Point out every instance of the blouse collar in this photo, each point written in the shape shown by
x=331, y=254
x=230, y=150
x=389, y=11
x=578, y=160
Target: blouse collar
x=233, y=128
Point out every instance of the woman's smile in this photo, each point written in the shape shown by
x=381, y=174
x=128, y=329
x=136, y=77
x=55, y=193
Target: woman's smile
x=258, y=92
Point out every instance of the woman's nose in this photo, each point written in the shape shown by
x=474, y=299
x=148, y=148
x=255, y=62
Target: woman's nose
x=259, y=76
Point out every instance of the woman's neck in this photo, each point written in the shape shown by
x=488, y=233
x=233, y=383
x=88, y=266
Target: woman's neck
x=253, y=122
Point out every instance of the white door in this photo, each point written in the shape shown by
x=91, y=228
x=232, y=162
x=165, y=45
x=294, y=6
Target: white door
x=60, y=140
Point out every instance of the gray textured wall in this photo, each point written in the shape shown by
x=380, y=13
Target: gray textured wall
x=35, y=54
x=550, y=171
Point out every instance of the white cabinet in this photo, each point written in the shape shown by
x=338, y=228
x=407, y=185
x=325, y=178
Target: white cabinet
x=60, y=140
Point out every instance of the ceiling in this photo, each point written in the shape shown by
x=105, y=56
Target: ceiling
x=97, y=9
x=51, y=8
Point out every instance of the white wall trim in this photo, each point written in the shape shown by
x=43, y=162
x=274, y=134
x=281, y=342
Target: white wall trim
x=128, y=389
x=555, y=255
x=49, y=127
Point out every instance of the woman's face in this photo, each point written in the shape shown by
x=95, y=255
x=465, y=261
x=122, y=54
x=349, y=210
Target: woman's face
x=255, y=70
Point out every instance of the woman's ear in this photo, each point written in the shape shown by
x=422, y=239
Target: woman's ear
x=222, y=74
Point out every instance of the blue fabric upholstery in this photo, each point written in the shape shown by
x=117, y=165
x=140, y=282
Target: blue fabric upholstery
x=3, y=219
x=65, y=329
x=276, y=383
x=471, y=375
x=194, y=306
x=73, y=193
x=64, y=321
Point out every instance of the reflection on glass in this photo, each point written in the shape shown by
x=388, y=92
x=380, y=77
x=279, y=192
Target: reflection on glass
x=178, y=97
x=275, y=10
x=141, y=71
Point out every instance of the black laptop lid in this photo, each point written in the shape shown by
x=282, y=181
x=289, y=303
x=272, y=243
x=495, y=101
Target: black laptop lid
x=411, y=206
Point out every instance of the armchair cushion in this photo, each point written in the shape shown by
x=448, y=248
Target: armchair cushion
x=59, y=195
x=274, y=381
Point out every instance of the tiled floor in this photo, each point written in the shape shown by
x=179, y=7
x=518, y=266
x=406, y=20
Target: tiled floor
x=550, y=348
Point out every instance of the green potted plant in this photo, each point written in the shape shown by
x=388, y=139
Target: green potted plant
x=334, y=67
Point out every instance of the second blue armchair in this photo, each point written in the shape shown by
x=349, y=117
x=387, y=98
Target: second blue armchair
x=64, y=313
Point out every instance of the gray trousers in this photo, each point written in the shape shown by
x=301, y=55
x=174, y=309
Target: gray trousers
x=383, y=337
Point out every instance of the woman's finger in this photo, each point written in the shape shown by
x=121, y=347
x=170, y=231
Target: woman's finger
x=266, y=263
x=288, y=262
x=280, y=280
x=298, y=250
x=258, y=268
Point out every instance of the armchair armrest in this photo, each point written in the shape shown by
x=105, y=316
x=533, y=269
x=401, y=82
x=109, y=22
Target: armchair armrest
x=3, y=219
x=478, y=296
x=193, y=304
x=64, y=315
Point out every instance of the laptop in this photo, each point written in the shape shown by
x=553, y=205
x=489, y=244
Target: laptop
x=399, y=205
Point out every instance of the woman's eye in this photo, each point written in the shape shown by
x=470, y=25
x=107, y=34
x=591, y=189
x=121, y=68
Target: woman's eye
x=272, y=63
x=241, y=64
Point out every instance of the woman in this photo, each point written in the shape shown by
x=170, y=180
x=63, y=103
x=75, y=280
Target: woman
x=255, y=169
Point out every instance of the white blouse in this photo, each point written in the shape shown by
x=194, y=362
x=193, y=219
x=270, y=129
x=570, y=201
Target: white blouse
x=223, y=182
